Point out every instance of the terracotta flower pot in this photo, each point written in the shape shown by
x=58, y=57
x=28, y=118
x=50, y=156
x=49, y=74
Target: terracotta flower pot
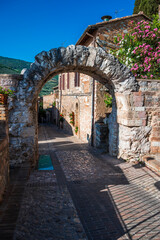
x=3, y=99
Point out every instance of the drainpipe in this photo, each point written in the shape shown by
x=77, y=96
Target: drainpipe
x=60, y=100
x=92, y=128
x=93, y=98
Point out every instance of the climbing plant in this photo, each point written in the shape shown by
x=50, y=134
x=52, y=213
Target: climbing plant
x=108, y=101
x=71, y=116
x=139, y=49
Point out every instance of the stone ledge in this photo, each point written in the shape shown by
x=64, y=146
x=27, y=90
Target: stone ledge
x=11, y=76
x=148, y=80
x=152, y=163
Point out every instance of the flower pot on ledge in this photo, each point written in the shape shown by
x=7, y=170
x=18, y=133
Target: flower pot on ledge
x=3, y=99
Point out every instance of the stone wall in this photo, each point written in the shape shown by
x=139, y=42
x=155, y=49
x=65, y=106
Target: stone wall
x=48, y=100
x=134, y=126
x=138, y=115
x=99, y=107
x=150, y=90
x=4, y=150
x=22, y=133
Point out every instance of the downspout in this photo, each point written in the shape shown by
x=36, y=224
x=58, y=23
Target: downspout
x=93, y=97
x=60, y=101
x=92, y=128
x=95, y=43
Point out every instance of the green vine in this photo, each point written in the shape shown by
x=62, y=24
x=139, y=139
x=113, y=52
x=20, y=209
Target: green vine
x=76, y=129
x=108, y=101
x=71, y=116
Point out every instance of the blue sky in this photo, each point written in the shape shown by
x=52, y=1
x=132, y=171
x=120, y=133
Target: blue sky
x=29, y=27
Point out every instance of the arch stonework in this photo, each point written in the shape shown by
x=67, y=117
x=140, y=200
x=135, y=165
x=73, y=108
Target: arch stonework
x=94, y=62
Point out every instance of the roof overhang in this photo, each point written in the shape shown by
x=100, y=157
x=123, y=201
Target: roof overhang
x=92, y=28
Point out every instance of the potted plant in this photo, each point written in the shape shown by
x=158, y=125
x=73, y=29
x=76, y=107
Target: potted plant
x=61, y=119
x=4, y=93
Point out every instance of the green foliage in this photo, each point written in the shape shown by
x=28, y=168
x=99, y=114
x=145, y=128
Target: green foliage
x=76, y=129
x=54, y=104
x=15, y=66
x=71, y=116
x=48, y=87
x=6, y=91
x=149, y=7
x=41, y=105
x=140, y=48
x=108, y=101
x=12, y=66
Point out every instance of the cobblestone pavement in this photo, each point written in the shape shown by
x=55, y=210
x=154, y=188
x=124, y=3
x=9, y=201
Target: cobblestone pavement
x=114, y=199
x=47, y=212
x=88, y=196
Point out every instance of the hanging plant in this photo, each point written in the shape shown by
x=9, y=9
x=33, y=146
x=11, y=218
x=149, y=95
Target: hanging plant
x=61, y=118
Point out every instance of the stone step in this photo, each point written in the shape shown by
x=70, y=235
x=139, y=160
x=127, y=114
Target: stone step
x=152, y=162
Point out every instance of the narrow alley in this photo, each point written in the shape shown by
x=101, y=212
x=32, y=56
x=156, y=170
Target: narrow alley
x=88, y=195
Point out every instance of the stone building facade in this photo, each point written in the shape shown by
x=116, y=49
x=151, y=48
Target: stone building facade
x=76, y=104
x=50, y=100
x=84, y=96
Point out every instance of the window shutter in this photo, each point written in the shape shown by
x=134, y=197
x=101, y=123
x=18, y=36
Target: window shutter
x=67, y=80
x=63, y=81
x=60, y=82
x=75, y=79
x=78, y=79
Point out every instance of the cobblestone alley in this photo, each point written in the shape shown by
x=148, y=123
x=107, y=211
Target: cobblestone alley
x=88, y=195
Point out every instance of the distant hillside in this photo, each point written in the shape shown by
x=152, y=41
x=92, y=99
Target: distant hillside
x=15, y=66
x=12, y=66
x=48, y=87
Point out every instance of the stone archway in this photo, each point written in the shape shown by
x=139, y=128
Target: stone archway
x=94, y=62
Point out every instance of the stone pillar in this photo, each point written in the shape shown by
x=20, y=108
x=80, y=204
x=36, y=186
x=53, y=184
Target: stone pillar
x=133, y=129
x=4, y=150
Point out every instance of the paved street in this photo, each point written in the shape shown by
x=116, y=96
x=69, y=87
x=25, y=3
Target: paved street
x=88, y=196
